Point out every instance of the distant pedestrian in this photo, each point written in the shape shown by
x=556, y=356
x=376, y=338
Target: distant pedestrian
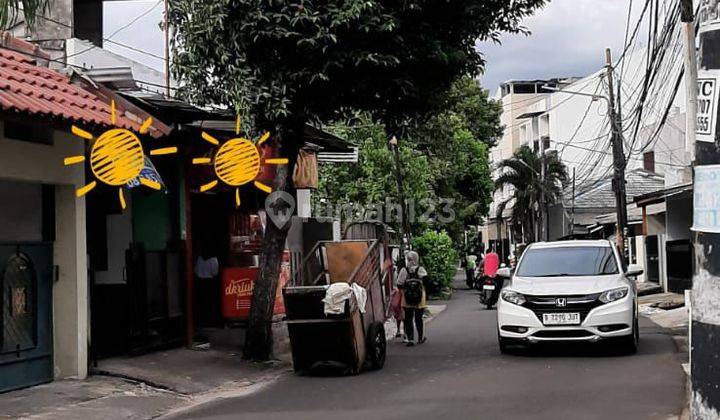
x=396, y=310
x=470, y=266
x=414, y=299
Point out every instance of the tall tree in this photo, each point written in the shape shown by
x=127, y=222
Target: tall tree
x=521, y=172
x=456, y=138
x=371, y=181
x=282, y=64
x=10, y=10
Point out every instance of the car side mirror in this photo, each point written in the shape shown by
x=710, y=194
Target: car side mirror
x=634, y=270
x=504, y=272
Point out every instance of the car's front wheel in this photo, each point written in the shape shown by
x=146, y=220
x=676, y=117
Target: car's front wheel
x=630, y=342
x=503, y=343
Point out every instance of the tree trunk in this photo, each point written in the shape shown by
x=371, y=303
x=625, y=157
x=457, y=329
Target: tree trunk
x=258, y=339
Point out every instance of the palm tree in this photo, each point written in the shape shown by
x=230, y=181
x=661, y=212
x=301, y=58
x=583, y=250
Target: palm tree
x=522, y=173
x=30, y=9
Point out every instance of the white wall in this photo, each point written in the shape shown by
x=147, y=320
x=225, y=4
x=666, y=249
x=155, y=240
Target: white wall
x=581, y=128
x=39, y=163
x=91, y=58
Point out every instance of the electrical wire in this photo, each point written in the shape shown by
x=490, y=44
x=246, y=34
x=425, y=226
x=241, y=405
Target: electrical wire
x=109, y=38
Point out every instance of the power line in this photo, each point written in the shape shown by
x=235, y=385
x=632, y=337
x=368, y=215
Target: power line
x=108, y=39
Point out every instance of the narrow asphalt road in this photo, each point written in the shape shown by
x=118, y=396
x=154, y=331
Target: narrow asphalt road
x=459, y=373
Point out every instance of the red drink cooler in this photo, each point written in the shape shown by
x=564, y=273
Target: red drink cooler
x=237, y=287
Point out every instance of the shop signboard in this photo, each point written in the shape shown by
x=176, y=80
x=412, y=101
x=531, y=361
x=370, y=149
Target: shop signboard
x=707, y=103
x=706, y=199
x=237, y=288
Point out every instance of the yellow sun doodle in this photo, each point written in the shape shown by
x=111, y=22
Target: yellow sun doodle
x=117, y=157
x=237, y=162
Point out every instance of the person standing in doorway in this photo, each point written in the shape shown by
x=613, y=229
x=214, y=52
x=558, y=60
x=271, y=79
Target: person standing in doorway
x=207, y=287
x=414, y=299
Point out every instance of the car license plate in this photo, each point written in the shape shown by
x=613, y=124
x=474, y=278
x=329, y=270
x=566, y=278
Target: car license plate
x=488, y=287
x=567, y=318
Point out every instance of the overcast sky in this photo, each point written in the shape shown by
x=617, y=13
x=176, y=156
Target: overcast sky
x=568, y=38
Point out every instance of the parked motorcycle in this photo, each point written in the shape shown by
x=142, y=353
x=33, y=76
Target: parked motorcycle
x=490, y=291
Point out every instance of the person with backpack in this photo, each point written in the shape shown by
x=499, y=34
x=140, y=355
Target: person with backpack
x=414, y=298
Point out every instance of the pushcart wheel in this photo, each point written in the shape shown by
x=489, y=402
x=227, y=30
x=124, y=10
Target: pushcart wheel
x=376, y=346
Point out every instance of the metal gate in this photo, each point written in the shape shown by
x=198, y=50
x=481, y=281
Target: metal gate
x=652, y=255
x=25, y=315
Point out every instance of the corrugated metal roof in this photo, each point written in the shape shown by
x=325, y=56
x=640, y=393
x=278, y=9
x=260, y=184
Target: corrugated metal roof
x=28, y=88
x=600, y=194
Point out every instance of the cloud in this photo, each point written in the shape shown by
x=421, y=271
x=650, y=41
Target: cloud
x=568, y=38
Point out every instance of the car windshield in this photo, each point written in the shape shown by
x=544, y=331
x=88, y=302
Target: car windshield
x=568, y=261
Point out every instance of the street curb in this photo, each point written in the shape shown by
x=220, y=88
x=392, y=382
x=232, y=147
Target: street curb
x=233, y=389
x=100, y=372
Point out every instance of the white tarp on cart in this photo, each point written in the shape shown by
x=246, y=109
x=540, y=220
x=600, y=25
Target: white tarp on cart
x=338, y=293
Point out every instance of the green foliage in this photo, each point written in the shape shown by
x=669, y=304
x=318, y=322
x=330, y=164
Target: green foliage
x=372, y=180
x=11, y=10
x=312, y=60
x=458, y=137
x=444, y=156
x=439, y=257
x=522, y=173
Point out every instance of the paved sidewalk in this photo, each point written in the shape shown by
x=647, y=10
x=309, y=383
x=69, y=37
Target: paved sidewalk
x=141, y=387
x=93, y=398
x=668, y=310
x=185, y=371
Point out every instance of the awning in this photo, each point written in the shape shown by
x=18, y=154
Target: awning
x=662, y=195
x=529, y=115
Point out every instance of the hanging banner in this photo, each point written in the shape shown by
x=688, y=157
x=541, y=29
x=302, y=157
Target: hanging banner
x=707, y=103
x=148, y=172
x=706, y=199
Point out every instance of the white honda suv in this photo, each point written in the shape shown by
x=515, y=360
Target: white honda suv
x=569, y=291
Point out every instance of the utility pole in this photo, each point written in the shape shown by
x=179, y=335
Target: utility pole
x=543, y=205
x=704, y=335
x=691, y=76
x=572, y=211
x=618, y=158
x=167, y=50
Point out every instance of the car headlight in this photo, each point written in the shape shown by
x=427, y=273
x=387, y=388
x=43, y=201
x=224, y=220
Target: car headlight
x=513, y=297
x=613, y=294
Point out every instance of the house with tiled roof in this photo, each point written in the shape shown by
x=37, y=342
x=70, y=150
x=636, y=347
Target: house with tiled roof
x=43, y=263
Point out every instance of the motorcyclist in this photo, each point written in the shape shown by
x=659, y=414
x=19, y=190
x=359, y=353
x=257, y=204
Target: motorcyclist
x=491, y=263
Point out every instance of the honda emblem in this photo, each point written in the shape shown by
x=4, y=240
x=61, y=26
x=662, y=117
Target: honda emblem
x=561, y=302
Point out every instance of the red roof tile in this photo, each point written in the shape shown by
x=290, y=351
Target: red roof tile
x=28, y=88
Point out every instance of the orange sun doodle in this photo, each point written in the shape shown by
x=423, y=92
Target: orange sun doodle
x=117, y=157
x=237, y=162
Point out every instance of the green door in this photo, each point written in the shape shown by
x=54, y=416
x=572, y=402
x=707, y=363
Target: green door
x=26, y=339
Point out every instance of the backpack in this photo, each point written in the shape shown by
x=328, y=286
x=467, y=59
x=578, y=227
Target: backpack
x=413, y=290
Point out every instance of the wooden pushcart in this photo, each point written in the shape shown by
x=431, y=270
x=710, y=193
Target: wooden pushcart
x=353, y=339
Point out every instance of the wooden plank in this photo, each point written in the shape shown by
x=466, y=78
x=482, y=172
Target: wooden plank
x=343, y=258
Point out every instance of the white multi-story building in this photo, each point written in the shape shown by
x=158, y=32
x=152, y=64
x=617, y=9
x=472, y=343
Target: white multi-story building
x=573, y=122
x=520, y=99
